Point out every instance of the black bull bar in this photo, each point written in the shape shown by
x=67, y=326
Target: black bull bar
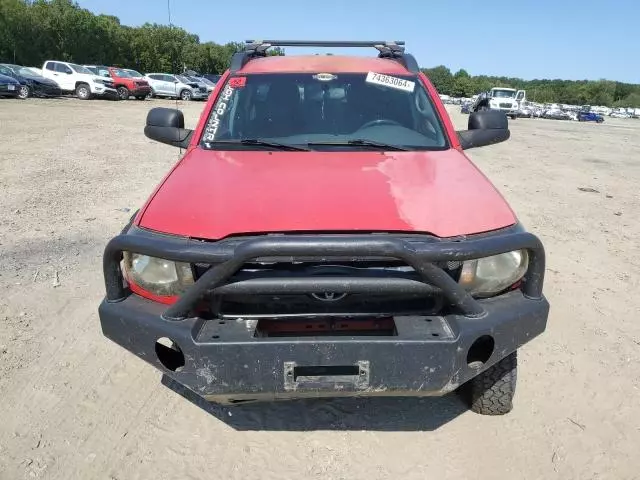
x=228, y=256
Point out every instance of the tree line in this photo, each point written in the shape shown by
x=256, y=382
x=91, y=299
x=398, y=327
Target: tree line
x=32, y=31
x=572, y=92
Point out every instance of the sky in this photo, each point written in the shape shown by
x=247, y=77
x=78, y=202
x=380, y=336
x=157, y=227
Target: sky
x=568, y=39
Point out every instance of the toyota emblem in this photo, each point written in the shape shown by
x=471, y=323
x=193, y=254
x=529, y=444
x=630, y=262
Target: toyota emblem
x=328, y=296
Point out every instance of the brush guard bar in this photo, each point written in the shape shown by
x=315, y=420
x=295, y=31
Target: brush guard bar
x=228, y=256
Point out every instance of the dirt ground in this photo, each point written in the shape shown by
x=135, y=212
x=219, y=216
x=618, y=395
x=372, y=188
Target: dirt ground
x=75, y=406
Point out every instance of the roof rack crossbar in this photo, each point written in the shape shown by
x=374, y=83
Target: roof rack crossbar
x=387, y=49
x=324, y=43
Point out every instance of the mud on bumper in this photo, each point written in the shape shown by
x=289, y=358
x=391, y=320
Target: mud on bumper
x=229, y=360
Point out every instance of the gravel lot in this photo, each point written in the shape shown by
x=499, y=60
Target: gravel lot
x=75, y=406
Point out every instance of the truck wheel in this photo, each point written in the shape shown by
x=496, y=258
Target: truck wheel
x=123, y=93
x=185, y=95
x=24, y=92
x=83, y=92
x=491, y=392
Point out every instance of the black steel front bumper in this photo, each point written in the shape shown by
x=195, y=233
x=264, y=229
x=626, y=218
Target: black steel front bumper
x=226, y=361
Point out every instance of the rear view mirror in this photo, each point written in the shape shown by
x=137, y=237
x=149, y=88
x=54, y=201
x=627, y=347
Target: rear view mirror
x=166, y=125
x=485, y=128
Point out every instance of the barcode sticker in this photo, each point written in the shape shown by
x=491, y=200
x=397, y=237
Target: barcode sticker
x=392, y=82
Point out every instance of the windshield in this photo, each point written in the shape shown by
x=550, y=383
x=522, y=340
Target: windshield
x=206, y=81
x=11, y=67
x=504, y=93
x=122, y=73
x=324, y=111
x=27, y=72
x=183, y=79
x=134, y=73
x=102, y=71
x=81, y=69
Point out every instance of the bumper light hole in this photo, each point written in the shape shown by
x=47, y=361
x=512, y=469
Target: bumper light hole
x=169, y=354
x=480, y=351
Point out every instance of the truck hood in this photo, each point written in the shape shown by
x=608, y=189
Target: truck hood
x=214, y=194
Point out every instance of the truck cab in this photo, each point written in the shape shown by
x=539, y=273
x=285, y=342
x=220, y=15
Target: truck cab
x=507, y=100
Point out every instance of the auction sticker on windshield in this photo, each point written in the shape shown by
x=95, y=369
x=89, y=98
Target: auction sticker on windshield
x=389, y=81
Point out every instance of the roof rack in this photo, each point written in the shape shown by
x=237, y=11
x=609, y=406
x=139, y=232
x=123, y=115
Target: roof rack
x=387, y=49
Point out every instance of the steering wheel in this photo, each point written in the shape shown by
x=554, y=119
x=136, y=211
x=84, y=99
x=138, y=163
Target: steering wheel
x=380, y=121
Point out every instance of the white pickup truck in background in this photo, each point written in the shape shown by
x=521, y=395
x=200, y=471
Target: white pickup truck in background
x=77, y=79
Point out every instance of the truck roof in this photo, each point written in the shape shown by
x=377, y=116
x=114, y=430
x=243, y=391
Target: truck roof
x=323, y=63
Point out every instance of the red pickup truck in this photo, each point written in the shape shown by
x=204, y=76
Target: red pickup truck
x=325, y=234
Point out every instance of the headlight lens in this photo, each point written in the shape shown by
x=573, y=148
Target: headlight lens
x=157, y=275
x=490, y=275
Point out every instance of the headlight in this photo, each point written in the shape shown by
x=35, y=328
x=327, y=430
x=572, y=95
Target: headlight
x=490, y=275
x=157, y=275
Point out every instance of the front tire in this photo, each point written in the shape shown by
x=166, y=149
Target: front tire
x=492, y=391
x=83, y=92
x=123, y=93
x=185, y=95
x=24, y=92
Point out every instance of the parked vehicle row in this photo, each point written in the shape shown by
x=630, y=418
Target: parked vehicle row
x=57, y=78
x=552, y=112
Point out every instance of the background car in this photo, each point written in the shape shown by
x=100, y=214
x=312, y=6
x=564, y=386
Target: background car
x=524, y=112
x=30, y=83
x=128, y=84
x=202, y=79
x=590, y=117
x=202, y=82
x=556, y=114
x=9, y=86
x=175, y=86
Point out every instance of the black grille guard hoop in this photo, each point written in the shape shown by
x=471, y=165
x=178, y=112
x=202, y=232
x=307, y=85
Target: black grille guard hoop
x=417, y=251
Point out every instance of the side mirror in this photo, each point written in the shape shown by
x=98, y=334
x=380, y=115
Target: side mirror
x=166, y=125
x=485, y=128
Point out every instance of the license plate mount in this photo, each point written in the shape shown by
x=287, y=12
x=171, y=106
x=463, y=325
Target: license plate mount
x=326, y=377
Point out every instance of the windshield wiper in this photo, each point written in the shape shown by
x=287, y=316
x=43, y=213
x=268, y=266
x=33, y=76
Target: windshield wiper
x=361, y=142
x=262, y=143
